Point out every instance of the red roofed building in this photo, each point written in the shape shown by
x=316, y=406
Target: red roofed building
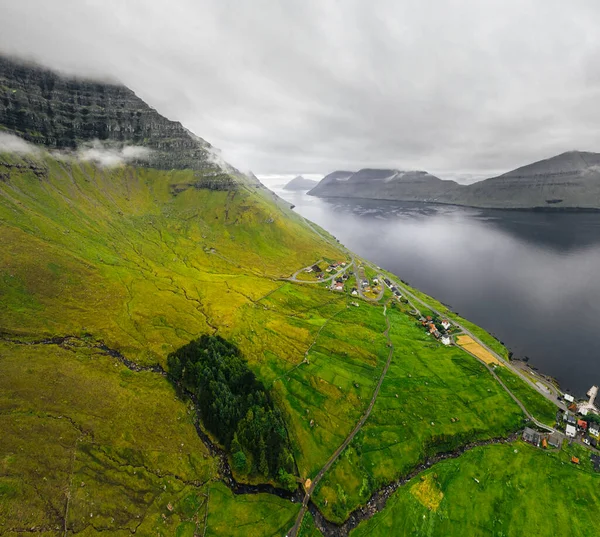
x=582, y=424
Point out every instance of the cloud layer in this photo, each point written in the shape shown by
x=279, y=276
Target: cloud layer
x=313, y=85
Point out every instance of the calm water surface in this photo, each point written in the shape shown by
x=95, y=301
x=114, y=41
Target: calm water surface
x=531, y=279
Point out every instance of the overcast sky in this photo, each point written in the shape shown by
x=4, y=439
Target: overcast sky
x=290, y=86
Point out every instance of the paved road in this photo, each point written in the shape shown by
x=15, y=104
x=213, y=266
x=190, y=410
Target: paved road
x=294, y=531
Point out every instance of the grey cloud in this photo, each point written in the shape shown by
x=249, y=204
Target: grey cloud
x=313, y=85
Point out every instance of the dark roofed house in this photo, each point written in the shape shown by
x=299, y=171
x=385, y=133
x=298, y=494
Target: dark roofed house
x=555, y=439
x=571, y=419
x=316, y=268
x=596, y=462
x=531, y=436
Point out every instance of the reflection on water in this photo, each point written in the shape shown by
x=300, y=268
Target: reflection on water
x=532, y=279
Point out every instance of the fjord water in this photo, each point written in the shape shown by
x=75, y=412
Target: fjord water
x=532, y=279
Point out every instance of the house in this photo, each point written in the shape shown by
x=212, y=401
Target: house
x=582, y=424
x=593, y=442
x=570, y=419
x=531, y=436
x=309, y=269
x=428, y=318
x=375, y=281
x=339, y=287
x=316, y=268
x=446, y=324
x=354, y=291
x=555, y=439
x=568, y=398
x=570, y=431
x=594, y=429
x=596, y=462
x=387, y=281
x=446, y=340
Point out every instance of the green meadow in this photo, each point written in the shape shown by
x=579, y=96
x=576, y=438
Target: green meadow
x=433, y=399
x=144, y=261
x=496, y=490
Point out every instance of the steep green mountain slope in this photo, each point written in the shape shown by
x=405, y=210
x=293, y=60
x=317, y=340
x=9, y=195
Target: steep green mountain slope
x=106, y=271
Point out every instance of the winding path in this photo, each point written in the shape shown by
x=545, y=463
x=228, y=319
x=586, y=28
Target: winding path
x=294, y=531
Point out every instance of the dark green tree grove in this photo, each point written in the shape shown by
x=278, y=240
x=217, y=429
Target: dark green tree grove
x=234, y=405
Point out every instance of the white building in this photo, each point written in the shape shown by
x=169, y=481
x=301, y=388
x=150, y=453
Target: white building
x=594, y=429
x=446, y=324
x=571, y=431
x=568, y=398
x=446, y=340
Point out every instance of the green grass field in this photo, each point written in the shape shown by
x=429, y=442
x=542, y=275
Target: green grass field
x=434, y=398
x=513, y=497
x=144, y=262
x=540, y=407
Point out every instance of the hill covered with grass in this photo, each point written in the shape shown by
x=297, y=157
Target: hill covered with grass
x=153, y=337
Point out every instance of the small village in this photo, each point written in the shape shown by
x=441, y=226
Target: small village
x=580, y=423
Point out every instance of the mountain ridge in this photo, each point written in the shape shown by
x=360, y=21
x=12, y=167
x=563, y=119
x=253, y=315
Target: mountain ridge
x=568, y=181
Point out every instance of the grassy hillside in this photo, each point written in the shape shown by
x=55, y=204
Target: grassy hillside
x=495, y=490
x=106, y=271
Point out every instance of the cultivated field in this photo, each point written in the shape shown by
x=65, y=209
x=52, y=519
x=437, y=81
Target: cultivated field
x=469, y=344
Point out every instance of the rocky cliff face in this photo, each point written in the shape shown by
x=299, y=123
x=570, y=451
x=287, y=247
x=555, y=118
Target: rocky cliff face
x=62, y=113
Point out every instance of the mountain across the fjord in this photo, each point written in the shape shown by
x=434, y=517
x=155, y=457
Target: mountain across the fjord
x=569, y=181
x=300, y=183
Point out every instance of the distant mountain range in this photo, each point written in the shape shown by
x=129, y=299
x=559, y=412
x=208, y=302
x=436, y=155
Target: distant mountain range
x=300, y=183
x=569, y=181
